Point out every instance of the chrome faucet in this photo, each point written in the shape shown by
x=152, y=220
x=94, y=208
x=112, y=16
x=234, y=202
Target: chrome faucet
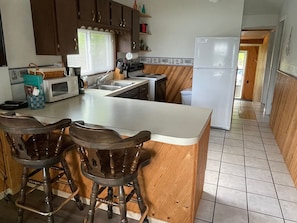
x=100, y=80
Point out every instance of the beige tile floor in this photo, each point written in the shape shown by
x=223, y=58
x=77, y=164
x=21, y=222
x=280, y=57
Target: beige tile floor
x=246, y=178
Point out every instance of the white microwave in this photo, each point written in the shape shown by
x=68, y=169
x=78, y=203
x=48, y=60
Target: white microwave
x=56, y=89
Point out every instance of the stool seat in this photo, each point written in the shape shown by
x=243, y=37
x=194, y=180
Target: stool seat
x=39, y=148
x=111, y=161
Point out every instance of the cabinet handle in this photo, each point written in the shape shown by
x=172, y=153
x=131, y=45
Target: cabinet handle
x=124, y=23
x=133, y=45
x=94, y=15
x=76, y=45
x=121, y=23
x=99, y=17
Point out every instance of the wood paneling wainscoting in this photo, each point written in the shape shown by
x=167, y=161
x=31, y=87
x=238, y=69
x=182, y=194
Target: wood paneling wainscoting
x=178, y=78
x=283, y=120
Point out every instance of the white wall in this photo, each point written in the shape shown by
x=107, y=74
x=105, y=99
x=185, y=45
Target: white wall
x=18, y=35
x=289, y=45
x=260, y=21
x=175, y=24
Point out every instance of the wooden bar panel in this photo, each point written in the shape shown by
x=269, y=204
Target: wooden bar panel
x=283, y=120
x=178, y=78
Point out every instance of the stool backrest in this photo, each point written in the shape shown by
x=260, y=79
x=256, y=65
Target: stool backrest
x=104, y=153
x=30, y=139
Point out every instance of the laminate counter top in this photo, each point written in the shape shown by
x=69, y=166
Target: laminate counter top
x=168, y=123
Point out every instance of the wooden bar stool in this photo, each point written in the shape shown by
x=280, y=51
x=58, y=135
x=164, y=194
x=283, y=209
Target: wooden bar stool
x=39, y=148
x=111, y=162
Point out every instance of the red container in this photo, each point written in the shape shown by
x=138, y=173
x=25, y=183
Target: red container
x=143, y=27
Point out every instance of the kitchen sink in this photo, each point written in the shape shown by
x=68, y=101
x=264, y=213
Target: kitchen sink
x=109, y=87
x=121, y=83
x=112, y=86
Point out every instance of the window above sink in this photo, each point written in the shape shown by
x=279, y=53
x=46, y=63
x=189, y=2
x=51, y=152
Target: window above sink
x=96, y=52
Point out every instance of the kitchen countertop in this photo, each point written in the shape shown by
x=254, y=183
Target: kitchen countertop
x=169, y=123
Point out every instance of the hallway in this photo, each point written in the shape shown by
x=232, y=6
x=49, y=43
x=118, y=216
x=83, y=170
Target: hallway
x=246, y=180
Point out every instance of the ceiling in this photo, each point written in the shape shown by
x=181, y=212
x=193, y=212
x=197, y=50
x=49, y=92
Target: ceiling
x=266, y=7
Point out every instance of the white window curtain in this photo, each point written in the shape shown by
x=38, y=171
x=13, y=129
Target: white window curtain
x=96, y=52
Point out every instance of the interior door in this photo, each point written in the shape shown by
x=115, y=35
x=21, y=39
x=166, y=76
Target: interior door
x=250, y=72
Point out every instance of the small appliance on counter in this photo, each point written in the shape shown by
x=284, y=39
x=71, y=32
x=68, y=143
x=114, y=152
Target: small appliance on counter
x=56, y=89
x=76, y=71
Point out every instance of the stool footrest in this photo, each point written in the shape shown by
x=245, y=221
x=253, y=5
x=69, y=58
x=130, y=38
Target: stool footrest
x=47, y=213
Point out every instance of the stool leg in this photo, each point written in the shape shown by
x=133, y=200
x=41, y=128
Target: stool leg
x=122, y=205
x=140, y=201
x=91, y=212
x=110, y=198
x=71, y=183
x=22, y=198
x=48, y=193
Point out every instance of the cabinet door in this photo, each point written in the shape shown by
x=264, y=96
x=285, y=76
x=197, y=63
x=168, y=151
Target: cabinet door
x=127, y=17
x=135, y=31
x=143, y=92
x=66, y=15
x=44, y=25
x=87, y=10
x=103, y=12
x=116, y=14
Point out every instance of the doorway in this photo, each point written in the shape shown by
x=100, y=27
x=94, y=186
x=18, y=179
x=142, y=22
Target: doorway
x=255, y=45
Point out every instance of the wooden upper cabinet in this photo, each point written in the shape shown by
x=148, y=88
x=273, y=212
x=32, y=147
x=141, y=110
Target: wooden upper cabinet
x=95, y=11
x=121, y=15
x=127, y=17
x=129, y=41
x=55, y=26
x=87, y=10
x=116, y=14
x=103, y=12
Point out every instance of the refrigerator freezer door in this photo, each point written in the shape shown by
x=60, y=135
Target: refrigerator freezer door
x=216, y=52
x=214, y=89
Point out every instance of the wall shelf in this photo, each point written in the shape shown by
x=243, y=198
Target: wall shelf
x=144, y=15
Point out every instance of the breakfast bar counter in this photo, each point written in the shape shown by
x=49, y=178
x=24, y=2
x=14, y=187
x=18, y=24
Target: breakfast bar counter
x=172, y=183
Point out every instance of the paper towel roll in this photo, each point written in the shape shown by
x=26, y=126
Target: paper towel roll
x=131, y=56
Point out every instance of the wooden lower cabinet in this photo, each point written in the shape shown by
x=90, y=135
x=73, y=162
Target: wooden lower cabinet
x=140, y=92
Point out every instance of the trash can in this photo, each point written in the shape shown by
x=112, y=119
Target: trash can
x=186, y=96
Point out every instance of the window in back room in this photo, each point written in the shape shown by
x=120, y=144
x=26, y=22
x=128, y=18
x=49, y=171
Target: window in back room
x=96, y=52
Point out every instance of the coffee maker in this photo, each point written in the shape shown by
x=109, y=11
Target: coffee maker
x=76, y=71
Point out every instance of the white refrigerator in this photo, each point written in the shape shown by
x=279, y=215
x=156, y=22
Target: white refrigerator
x=214, y=76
